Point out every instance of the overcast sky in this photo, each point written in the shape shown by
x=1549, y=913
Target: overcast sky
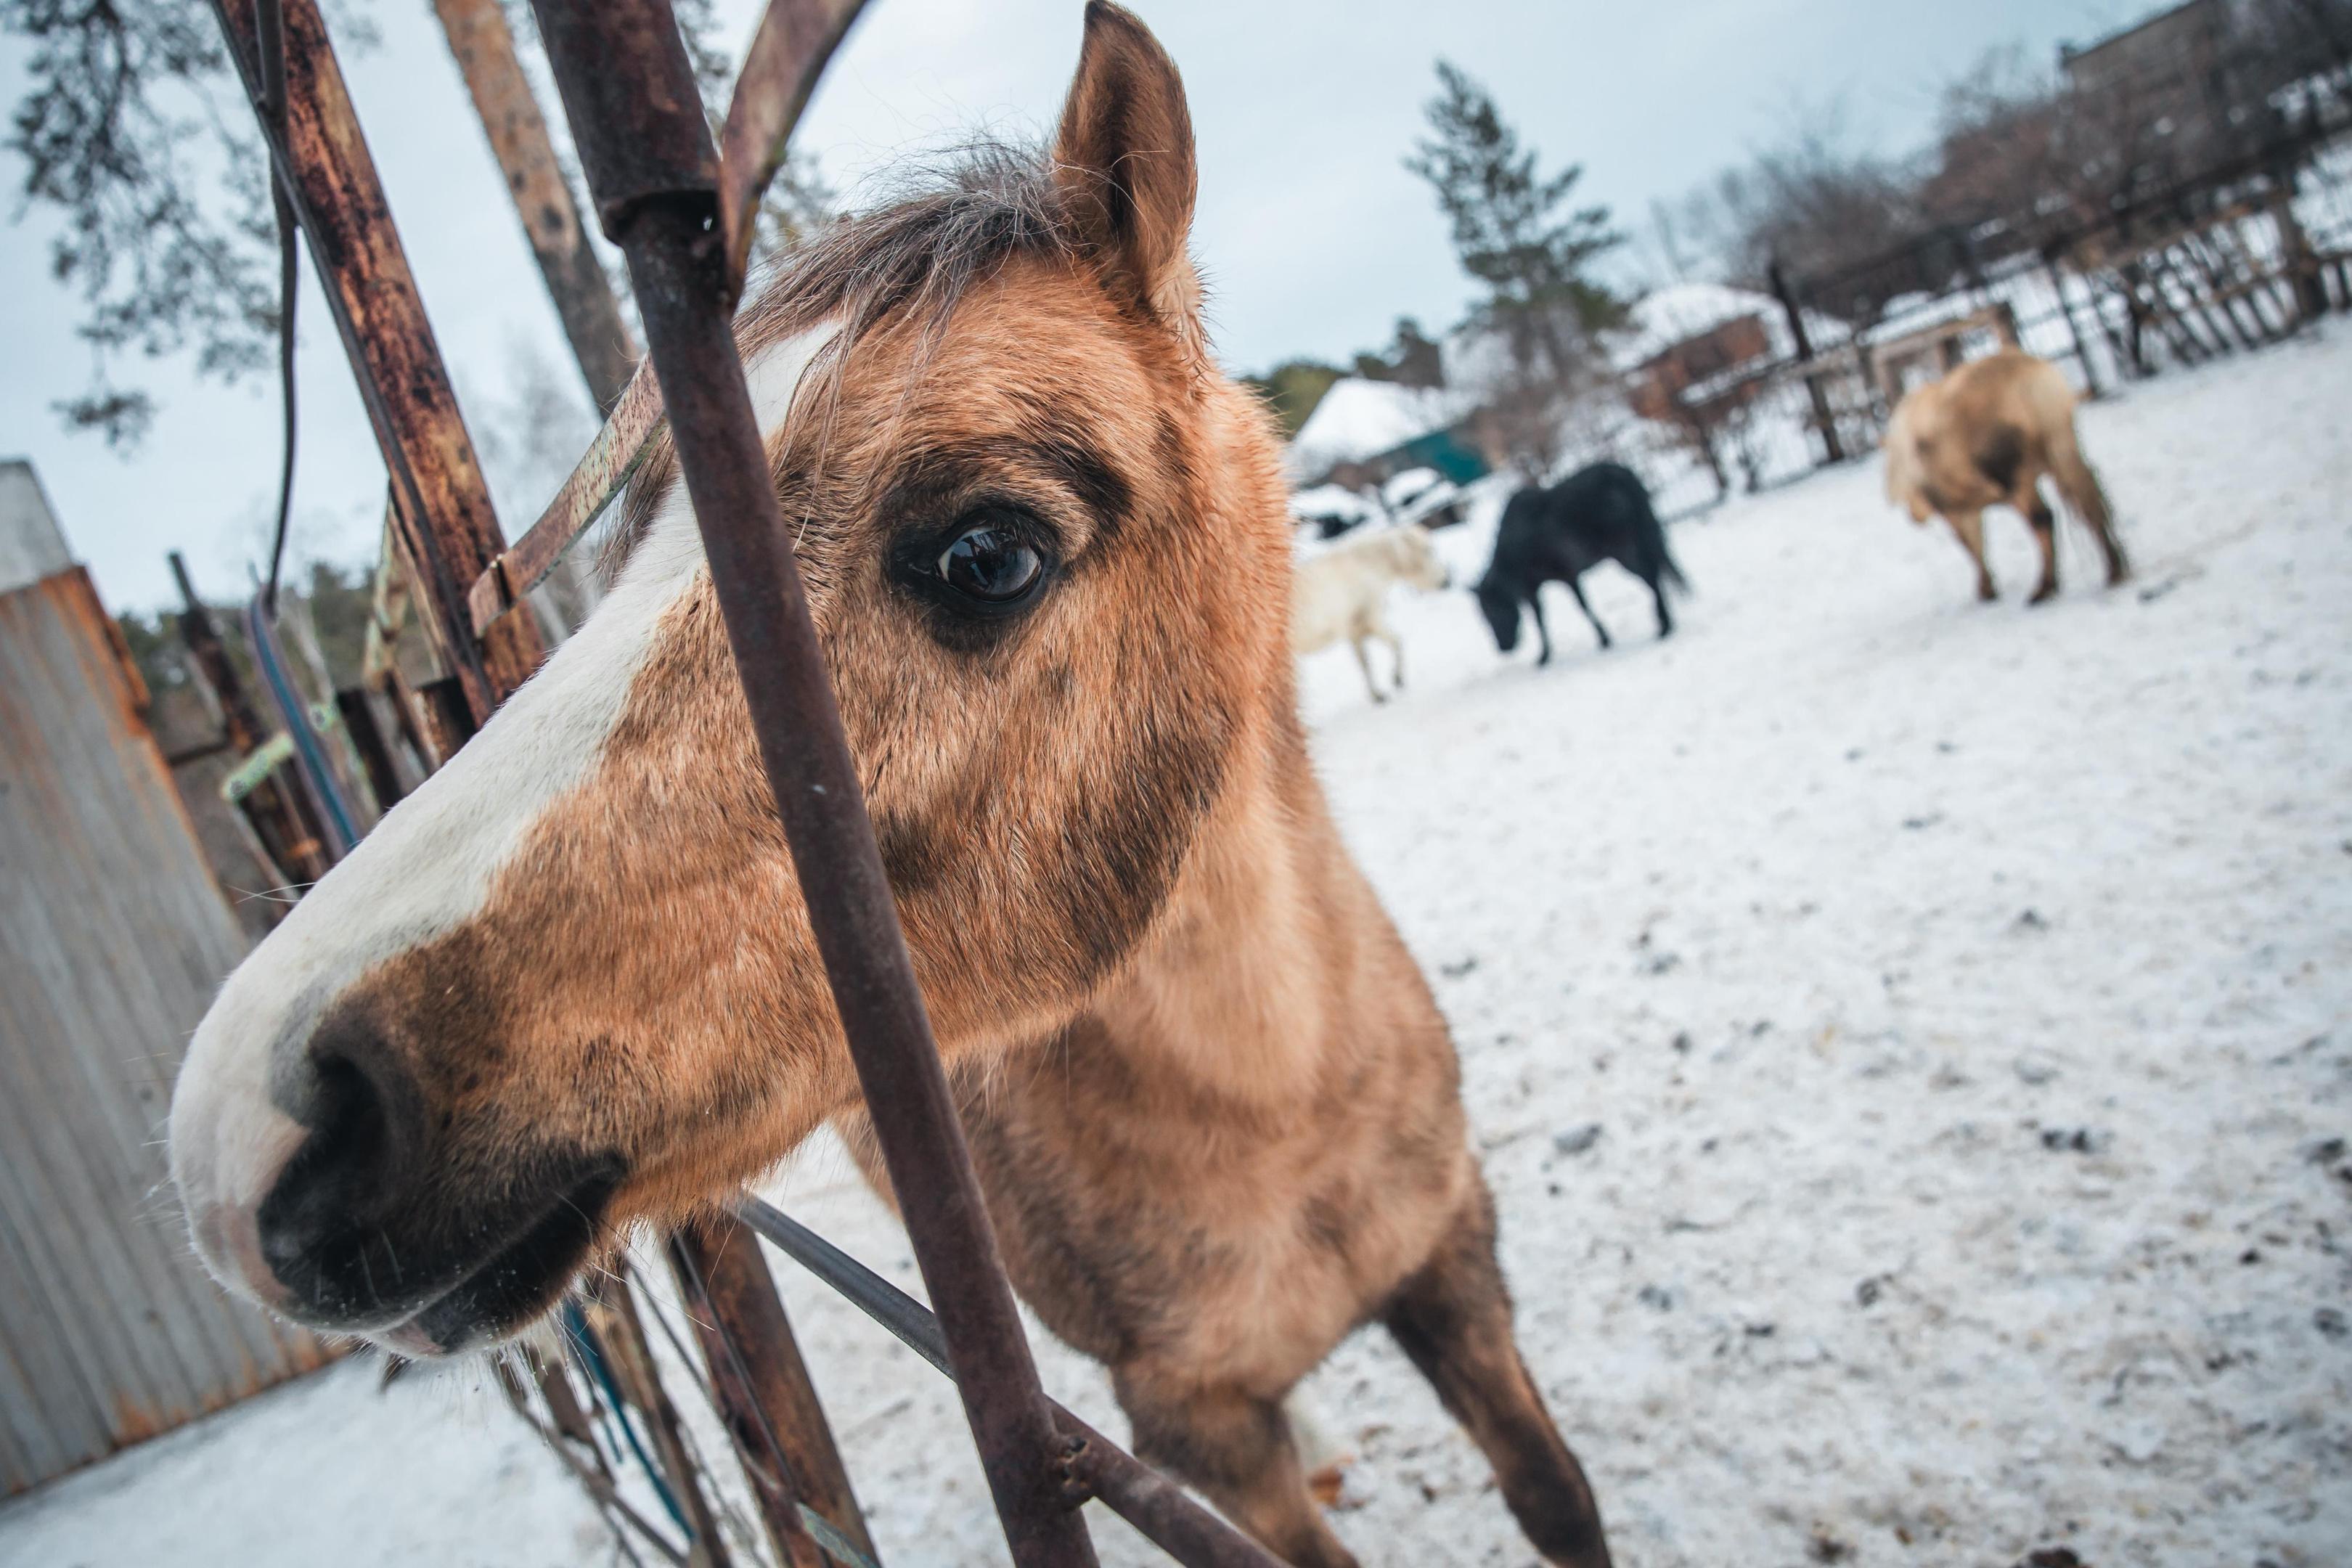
x=1312, y=236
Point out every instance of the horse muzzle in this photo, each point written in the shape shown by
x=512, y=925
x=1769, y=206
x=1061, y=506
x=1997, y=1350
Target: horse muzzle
x=343, y=1199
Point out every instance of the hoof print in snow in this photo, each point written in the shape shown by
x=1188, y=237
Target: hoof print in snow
x=2030, y=921
x=2073, y=1140
x=1459, y=968
x=1867, y=1293
x=2331, y=1323
x=1916, y=823
x=1657, y=1298
x=1682, y=1042
x=1577, y=1140
x=1660, y=962
x=2051, y=1557
x=1826, y=1548
x=2036, y=1070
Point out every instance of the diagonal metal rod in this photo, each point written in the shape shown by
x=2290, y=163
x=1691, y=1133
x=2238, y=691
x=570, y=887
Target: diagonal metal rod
x=1127, y=1486
x=637, y=119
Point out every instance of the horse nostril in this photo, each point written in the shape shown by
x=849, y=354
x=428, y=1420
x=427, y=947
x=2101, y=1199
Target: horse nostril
x=365, y=1143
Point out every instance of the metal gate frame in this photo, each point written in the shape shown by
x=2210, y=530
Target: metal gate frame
x=682, y=215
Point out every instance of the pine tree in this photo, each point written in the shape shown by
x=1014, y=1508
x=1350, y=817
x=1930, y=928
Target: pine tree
x=1516, y=230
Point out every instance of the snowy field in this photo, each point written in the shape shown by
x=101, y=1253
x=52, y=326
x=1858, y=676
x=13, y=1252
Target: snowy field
x=1961, y=998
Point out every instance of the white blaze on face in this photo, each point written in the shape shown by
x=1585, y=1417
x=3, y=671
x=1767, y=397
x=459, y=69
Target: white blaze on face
x=424, y=869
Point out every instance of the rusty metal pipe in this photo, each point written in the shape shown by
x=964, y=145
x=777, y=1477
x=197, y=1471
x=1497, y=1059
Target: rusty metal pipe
x=322, y=163
x=764, y=1392
x=637, y=119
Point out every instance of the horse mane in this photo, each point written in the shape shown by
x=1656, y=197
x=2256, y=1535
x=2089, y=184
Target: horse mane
x=952, y=223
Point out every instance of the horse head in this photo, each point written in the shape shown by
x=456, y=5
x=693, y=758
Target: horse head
x=1500, y=603
x=569, y=985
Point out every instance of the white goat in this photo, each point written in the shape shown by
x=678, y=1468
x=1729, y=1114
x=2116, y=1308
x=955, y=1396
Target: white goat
x=1338, y=594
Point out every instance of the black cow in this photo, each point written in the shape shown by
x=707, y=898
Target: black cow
x=1596, y=515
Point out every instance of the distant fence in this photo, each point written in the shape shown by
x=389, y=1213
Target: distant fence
x=2243, y=255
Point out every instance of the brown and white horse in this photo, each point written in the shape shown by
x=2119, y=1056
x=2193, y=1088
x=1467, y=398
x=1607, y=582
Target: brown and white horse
x=1986, y=435
x=569, y=987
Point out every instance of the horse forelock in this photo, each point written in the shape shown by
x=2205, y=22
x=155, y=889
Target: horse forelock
x=905, y=267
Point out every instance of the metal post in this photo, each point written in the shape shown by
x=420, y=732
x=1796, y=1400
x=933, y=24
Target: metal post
x=2074, y=329
x=764, y=1391
x=637, y=122
x=744, y=1320
x=1822, y=417
x=443, y=509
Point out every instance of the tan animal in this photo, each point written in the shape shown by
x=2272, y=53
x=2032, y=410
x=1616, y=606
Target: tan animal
x=1341, y=594
x=569, y=986
x=1985, y=434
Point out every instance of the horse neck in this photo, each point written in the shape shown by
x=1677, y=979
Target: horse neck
x=1231, y=992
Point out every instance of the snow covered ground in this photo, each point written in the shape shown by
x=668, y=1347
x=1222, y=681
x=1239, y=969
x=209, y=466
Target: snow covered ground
x=1961, y=996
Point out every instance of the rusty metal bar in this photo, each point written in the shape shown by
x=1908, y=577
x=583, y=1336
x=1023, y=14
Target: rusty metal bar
x=484, y=48
x=764, y=1392
x=637, y=122
x=1097, y=1466
x=755, y=1367
x=1824, y=418
x=592, y=485
x=321, y=162
x=788, y=53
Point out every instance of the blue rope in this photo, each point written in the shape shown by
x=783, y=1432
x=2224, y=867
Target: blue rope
x=592, y=1356
x=262, y=632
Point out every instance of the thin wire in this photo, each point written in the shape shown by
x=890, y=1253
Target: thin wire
x=576, y=1329
x=269, y=27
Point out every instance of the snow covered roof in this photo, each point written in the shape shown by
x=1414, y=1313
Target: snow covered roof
x=1361, y=418
x=1680, y=311
x=1409, y=485
x=1330, y=500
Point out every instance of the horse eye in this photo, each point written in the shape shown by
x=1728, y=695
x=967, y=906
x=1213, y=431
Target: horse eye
x=990, y=566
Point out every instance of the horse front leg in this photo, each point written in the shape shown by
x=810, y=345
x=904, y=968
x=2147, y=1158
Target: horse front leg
x=1543, y=632
x=1381, y=630
x=1236, y=1447
x=1967, y=527
x=1364, y=663
x=2045, y=523
x=1577, y=588
x=1453, y=1319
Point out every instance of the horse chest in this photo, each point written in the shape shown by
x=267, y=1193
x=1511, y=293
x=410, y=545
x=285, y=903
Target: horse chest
x=1140, y=1234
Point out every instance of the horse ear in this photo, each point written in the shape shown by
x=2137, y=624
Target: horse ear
x=1123, y=165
